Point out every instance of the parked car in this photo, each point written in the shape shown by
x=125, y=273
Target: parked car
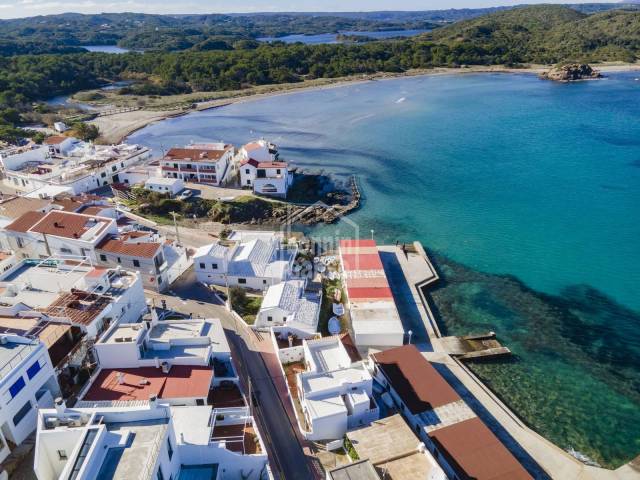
x=186, y=193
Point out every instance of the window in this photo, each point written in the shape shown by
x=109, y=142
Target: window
x=214, y=266
x=269, y=319
x=33, y=370
x=242, y=281
x=175, y=165
x=119, y=260
x=202, y=266
x=169, y=448
x=247, y=171
x=16, y=387
x=159, y=280
x=122, y=164
x=264, y=281
x=103, y=174
x=62, y=455
x=65, y=250
x=26, y=408
x=136, y=263
x=248, y=182
x=278, y=171
x=114, y=168
x=103, y=257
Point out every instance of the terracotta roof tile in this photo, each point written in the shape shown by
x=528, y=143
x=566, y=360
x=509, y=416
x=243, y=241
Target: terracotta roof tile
x=474, y=452
x=67, y=224
x=15, y=207
x=25, y=222
x=132, y=249
x=55, y=140
x=415, y=380
x=196, y=154
x=182, y=381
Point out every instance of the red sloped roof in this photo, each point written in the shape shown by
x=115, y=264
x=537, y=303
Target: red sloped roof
x=473, y=451
x=182, y=381
x=132, y=249
x=25, y=222
x=415, y=380
x=353, y=262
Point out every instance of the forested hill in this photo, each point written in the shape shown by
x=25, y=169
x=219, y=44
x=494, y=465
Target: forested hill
x=536, y=34
x=543, y=34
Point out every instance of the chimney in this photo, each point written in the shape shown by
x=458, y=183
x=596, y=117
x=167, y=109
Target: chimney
x=61, y=407
x=290, y=338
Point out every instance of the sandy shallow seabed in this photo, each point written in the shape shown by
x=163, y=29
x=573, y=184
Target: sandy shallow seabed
x=115, y=128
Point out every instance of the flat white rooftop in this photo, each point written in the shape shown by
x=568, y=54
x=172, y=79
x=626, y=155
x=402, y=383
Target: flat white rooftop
x=124, y=332
x=328, y=354
x=324, y=381
x=326, y=407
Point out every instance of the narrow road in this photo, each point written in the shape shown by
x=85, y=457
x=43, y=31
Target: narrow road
x=287, y=458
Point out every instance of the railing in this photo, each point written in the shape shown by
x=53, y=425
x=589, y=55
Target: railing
x=14, y=361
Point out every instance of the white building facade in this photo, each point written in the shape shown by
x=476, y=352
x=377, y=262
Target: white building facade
x=27, y=382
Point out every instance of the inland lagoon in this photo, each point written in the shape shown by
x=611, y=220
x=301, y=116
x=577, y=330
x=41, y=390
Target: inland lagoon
x=527, y=192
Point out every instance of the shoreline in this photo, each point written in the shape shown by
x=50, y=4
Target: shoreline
x=116, y=128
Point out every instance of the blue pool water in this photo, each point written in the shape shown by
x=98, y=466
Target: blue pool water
x=333, y=37
x=527, y=192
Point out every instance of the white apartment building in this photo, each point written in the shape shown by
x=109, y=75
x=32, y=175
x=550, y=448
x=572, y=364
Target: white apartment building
x=151, y=441
x=159, y=262
x=69, y=164
x=248, y=259
x=182, y=362
x=58, y=233
x=290, y=304
x=72, y=292
x=27, y=382
x=336, y=394
x=198, y=163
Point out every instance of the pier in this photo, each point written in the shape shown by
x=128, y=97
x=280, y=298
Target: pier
x=474, y=346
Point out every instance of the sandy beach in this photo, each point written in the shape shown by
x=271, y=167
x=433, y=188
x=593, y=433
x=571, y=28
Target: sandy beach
x=115, y=128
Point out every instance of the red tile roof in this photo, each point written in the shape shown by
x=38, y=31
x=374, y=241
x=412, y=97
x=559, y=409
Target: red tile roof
x=196, y=154
x=25, y=222
x=365, y=277
x=182, y=381
x=258, y=164
x=474, y=452
x=67, y=224
x=415, y=380
x=132, y=249
x=55, y=140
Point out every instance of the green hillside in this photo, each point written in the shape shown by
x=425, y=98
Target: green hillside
x=544, y=34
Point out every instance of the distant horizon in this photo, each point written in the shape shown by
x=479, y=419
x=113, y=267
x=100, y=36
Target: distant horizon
x=12, y=9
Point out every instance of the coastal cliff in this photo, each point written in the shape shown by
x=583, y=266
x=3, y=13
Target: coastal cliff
x=571, y=73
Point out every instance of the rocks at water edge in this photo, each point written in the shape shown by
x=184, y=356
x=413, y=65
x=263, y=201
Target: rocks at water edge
x=571, y=72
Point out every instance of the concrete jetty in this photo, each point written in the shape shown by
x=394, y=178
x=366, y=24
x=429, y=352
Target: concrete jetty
x=410, y=274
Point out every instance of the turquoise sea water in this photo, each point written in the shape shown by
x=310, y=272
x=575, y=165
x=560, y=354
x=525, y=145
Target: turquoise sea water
x=527, y=191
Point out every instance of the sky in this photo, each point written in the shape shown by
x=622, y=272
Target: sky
x=28, y=8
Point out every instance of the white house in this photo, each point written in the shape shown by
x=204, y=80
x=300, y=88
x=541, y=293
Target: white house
x=159, y=262
x=259, y=150
x=68, y=164
x=271, y=178
x=290, y=304
x=198, y=163
x=253, y=260
x=27, y=382
x=336, y=394
x=149, y=441
x=58, y=233
x=171, y=186
x=73, y=293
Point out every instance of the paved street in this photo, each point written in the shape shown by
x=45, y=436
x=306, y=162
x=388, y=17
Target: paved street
x=288, y=460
